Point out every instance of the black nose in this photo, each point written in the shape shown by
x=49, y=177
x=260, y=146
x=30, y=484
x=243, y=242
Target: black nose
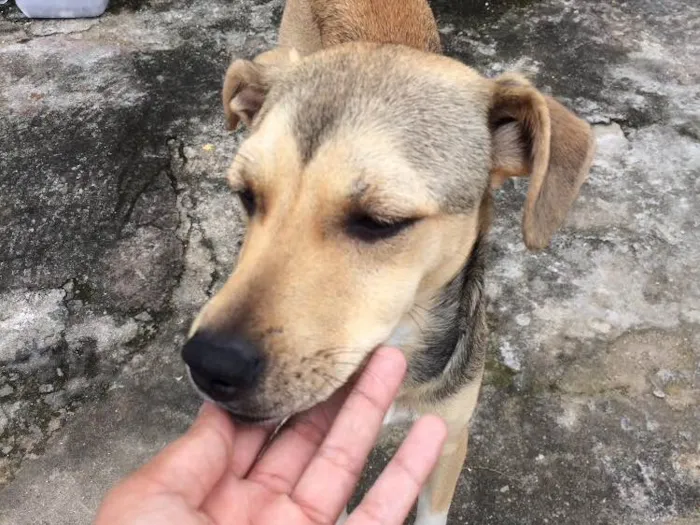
x=222, y=367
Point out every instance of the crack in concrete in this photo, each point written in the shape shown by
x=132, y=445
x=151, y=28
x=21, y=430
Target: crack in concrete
x=37, y=36
x=176, y=147
x=183, y=229
x=58, y=365
x=215, y=274
x=133, y=202
x=177, y=166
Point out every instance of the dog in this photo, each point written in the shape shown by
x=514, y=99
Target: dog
x=367, y=178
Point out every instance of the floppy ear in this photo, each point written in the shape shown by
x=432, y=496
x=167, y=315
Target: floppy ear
x=247, y=82
x=535, y=135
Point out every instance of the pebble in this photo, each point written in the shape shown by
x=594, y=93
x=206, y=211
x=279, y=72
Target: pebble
x=6, y=391
x=144, y=317
x=659, y=393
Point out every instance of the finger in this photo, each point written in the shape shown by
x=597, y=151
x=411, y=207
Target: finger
x=330, y=478
x=250, y=440
x=277, y=469
x=192, y=465
x=282, y=464
x=390, y=499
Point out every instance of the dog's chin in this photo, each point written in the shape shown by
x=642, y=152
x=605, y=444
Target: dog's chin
x=267, y=419
x=241, y=417
x=246, y=419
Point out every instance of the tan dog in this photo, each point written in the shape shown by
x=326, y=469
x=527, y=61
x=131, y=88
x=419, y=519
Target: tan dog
x=366, y=179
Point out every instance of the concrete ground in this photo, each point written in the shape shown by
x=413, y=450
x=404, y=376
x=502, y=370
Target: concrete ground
x=116, y=225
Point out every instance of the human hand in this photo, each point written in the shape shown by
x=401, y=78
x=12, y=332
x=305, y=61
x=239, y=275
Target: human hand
x=213, y=475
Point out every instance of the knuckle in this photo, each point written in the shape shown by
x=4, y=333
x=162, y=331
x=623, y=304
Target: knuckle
x=273, y=481
x=370, y=513
x=309, y=430
x=408, y=470
x=362, y=397
x=342, y=459
x=315, y=515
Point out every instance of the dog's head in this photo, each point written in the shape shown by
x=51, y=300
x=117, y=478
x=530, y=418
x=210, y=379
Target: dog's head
x=363, y=179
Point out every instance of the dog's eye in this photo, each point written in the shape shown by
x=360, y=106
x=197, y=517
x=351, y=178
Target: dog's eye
x=247, y=198
x=370, y=229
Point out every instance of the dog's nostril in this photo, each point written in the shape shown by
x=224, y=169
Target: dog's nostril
x=221, y=386
x=222, y=367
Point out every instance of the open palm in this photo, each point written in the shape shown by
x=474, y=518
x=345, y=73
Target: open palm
x=215, y=474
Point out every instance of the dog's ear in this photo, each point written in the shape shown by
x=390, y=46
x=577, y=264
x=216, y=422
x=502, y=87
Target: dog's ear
x=535, y=135
x=247, y=82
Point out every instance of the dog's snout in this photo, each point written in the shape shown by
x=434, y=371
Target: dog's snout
x=223, y=367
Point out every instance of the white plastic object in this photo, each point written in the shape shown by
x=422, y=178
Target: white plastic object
x=62, y=8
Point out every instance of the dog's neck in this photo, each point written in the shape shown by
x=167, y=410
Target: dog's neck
x=453, y=332
x=310, y=25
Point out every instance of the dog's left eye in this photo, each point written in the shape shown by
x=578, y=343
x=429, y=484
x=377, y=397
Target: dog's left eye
x=370, y=229
x=247, y=198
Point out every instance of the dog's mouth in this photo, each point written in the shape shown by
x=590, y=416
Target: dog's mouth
x=244, y=414
x=257, y=420
x=246, y=417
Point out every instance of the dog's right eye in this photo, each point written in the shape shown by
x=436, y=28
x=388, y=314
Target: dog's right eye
x=370, y=229
x=247, y=198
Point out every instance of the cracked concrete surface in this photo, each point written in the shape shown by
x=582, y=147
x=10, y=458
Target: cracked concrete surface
x=116, y=224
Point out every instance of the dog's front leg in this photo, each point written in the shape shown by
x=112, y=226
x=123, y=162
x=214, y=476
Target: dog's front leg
x=436, y=496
